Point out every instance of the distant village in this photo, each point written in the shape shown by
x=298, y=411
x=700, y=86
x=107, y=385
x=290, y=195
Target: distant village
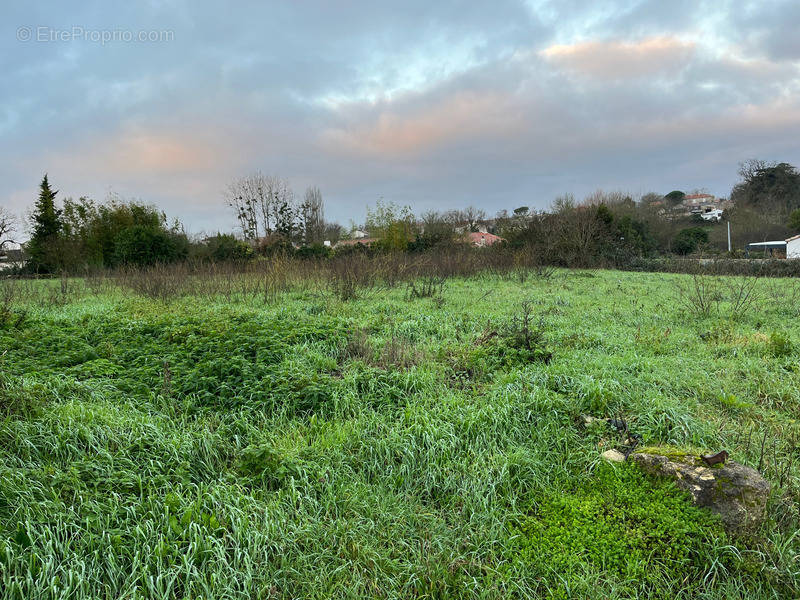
x=603, y=228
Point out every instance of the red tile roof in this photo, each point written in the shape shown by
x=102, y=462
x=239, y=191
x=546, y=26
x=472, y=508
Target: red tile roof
x=483, y=239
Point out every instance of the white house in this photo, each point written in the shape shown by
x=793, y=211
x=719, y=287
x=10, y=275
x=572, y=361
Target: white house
x=793, y=247
x=714, y=214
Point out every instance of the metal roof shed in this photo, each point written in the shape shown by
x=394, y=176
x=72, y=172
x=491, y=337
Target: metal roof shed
x=767, y=247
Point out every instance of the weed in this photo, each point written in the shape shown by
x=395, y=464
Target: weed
x=430, y=286
x=779, y=344
x=268, y=467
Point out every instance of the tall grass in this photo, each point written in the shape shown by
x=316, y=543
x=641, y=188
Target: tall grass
x=245, y=431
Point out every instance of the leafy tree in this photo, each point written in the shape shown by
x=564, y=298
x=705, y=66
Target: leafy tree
x=393, y=225
x=285, y=219
x=225, y=247
x=91, y=233
x=675, y=197
x=144, y=246
x=772, y=188
x=688, y=240
x=794, y=220
x=437, y=230
x=46, y=228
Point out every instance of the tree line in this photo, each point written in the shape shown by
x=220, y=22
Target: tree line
x=602, y=229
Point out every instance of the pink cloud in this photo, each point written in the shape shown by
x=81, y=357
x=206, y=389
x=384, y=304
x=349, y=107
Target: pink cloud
x=614, y=59
x=400, y=130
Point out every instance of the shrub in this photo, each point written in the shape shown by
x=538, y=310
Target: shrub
x=688, y=240
x=313, y=251
x=144, y=246
x=779, y=344
x=266, y=466
x=225, y=247
x=428, y=287
x=522, y=333
x=351, y=273
x=520, y=341
x=275, y=244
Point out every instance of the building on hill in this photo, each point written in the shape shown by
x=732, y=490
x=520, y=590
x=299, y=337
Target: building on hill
x=481, y=240
x=701, y=204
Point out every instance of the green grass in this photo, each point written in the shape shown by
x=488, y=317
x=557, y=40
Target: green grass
x=390, y=447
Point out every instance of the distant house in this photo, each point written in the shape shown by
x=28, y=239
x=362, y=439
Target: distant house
x=707, y=206
x=793, y=247
x=12, y=258
x=482, y=239
x=699, y=198
x=357, y=234
x=364, y=241
x=715, y=214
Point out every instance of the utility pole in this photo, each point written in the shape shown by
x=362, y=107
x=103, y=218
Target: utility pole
x=729, y=236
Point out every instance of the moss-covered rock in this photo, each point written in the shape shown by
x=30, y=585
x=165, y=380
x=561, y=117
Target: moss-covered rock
x=737, y=493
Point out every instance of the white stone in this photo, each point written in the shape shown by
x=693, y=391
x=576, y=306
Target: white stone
x=613, y=456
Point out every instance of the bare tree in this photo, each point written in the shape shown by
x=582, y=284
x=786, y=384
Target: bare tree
x=469, y=218
x=245, y=196
x=574, y=230
x=332, y=232
x=261, y=203
x=312, y=216
x=8, y=225
x=284, y=210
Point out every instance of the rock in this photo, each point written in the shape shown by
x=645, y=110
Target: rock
x=737, y=493
x=613, y=456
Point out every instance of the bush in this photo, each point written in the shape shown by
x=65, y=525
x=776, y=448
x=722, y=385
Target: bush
x=313, y=251
x=688, y=240
x=225, y=248
x=275, y=244
x=266, y=466
x=144, y=246
x=779, y=344
x=518, y=342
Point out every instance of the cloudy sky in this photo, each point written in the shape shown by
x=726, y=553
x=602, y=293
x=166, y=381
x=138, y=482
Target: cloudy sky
x=433, y=104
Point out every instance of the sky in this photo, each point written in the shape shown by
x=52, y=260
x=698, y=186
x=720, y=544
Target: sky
x=436, y=105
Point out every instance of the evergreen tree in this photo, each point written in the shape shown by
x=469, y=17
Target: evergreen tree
x=43, y=245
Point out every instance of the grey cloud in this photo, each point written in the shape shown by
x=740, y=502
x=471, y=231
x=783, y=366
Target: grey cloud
x=432, y=104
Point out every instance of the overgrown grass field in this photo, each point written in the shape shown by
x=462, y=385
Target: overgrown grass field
x=393, y=446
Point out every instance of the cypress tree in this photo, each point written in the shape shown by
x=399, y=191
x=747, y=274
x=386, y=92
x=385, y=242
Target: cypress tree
x=43, y=245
